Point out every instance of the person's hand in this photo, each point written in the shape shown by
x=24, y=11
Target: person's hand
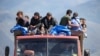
x=32, y=26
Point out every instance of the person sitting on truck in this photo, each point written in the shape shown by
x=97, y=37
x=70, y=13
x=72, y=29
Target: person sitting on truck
x=48, y=21
x=75, y=21
x=20, y=27
x=41, y=30
x=35, y=22
x=65, y=20
x=84, y=26
x=76, y=28
x=19, y=16
x=63, y=27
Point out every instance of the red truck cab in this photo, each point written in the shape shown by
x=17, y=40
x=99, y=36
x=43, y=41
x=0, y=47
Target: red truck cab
x=47, y=45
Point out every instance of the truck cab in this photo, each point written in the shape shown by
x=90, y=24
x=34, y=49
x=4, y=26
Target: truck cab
x=48, y=45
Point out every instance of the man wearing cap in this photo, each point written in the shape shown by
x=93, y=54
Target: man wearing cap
x=35, y=22
x=48, y=21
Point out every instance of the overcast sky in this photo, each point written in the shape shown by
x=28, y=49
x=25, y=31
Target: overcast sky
x=42, y=6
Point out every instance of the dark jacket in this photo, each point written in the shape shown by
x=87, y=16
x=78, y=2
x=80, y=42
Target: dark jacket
x=48, y=23
x=27, y=24
x=35, y=22
x=20, y=21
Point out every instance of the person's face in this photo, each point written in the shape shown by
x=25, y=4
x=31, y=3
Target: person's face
x=70, y=14
x=20, y=15
x=75, y=15
x=36, y=17
x=82, y=21
x=49, y=17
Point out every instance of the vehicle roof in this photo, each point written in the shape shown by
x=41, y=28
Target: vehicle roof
x=46, y=36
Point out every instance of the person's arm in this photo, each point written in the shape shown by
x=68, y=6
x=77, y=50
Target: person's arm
x=31, y=24
x=54, y=23
x=70, y=24
x=39, y=24
x=84, y=28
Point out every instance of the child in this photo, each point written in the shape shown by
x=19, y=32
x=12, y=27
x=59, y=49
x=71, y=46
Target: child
x=84, y=26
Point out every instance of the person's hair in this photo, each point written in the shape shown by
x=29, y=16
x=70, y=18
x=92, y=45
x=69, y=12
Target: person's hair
x=68, y=11
x=49, y=14
x=37, y=14
x=83, y=24
x=19, y=12
x=7, y=51
x=27, y=17
x=82, y=19
x=75, y=14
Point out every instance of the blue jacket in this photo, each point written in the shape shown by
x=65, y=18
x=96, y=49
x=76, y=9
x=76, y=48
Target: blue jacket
x=18, y=27
x=56, y=30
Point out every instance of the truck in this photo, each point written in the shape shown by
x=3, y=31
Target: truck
x=48, y=45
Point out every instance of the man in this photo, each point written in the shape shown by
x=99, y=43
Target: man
x=75, y=21
x=65, y=20
x=48, y=21
x=19, y=28
x=64, y=25
x=76, y=28
x=19, y=16
x=35, y=22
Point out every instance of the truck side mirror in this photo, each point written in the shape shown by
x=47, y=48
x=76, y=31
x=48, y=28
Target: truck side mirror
x=7, y=49
x=86, y=52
